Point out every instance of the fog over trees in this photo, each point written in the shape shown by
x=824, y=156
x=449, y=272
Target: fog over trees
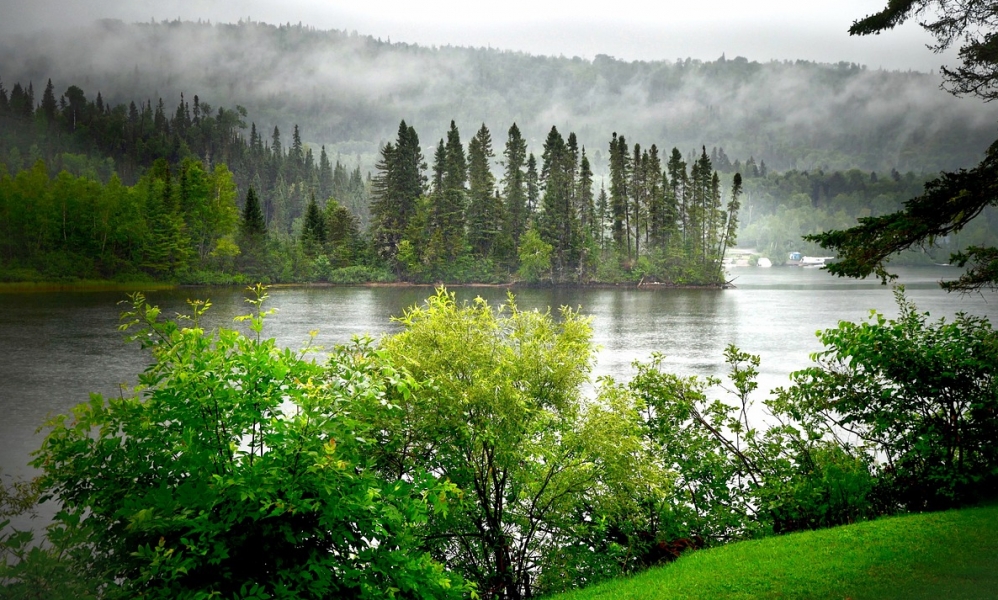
x=349, y=91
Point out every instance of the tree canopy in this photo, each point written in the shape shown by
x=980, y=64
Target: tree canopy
x=954, y=199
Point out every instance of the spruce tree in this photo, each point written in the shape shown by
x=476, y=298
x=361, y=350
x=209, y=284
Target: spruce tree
x=313, y=231
x=515, y=185
x=48, y=108
x=484, y=216
x=252, y=225
x=558, y=222
x=325, y=175
x=619, y=180
x=532, y=182
x=677, y=195
x=396, y=189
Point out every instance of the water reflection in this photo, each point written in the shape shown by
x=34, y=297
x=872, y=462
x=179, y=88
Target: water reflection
x=55, y=348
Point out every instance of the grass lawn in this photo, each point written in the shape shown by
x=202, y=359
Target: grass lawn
x=948, y=555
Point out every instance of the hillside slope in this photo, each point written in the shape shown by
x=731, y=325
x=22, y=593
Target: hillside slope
x=952, y=555
x=350, y=91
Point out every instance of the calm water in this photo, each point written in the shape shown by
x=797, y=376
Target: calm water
x=56, y=348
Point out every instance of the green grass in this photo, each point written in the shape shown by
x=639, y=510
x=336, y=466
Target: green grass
x=82, y=286
x=948, y=555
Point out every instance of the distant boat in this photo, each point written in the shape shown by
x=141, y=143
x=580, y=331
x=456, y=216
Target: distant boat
x=796, y=259
x=764, y=262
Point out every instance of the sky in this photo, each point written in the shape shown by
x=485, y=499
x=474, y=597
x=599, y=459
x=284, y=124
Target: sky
x=626, y=29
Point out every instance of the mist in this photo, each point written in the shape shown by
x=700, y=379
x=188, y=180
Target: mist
x=349, y=91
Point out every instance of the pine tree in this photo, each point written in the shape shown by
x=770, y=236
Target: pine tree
x=677, y=195
x=655, y=198
x=296, y=157
x=602, y=216
x=450, y=205
x=619, y=179
x=585, y=204
x=4, y=101
x=638, y=193
x=533, y=187
x=326, y=176
x=730, y=234
x=342, y=234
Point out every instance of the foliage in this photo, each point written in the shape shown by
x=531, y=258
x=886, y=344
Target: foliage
x=948, y=204
x=239, y=470
x=535, y=257
x=922, y=396
x=502, y=418
x=735, y=478
x=955, y=198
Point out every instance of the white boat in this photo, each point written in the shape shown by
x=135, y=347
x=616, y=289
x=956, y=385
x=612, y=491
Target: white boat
x=764, y=262
x=797, y=260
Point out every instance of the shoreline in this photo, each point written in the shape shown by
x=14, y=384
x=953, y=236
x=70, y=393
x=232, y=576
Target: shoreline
x=115, y=286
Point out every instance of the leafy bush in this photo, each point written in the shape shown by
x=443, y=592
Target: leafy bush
x=734, y=479
x=923, y=397
x=360, y=274
x=241, y=470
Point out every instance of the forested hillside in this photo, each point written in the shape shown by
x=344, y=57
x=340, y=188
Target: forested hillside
x=100, y=191
x=349, y=92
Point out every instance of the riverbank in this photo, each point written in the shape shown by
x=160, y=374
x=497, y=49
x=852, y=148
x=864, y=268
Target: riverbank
x=141, y=286
x=85, y=285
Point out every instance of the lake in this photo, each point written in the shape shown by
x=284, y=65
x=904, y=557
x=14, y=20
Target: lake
x=56, y=348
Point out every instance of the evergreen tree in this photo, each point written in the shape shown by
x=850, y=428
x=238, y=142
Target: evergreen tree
x=252, y=224
x=602, y=216
x=296, y=156
x=585, y=204
x=558, y=223
x=677, y=195
x=484, y=207
x=252, y=236
x=449, y=205
x=638, y=193
x=533, y=187
x=166, y=246
x=326, y=176
x=515, y=185
x=395, y=190
x=619, y=179
x=48, y=108
x=342, y=234
x=657, y=214
x=4, y=101
x=730, y=234
x=313, y=231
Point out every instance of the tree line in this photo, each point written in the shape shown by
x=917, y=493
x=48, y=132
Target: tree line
x=544, y=219
x=478, y=213
x=72, y=132
x=539, y=220
x=839, y=116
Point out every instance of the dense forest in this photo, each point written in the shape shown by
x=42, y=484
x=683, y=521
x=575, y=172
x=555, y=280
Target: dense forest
x=101, y=191
x=179, y=219
x=350, y=91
